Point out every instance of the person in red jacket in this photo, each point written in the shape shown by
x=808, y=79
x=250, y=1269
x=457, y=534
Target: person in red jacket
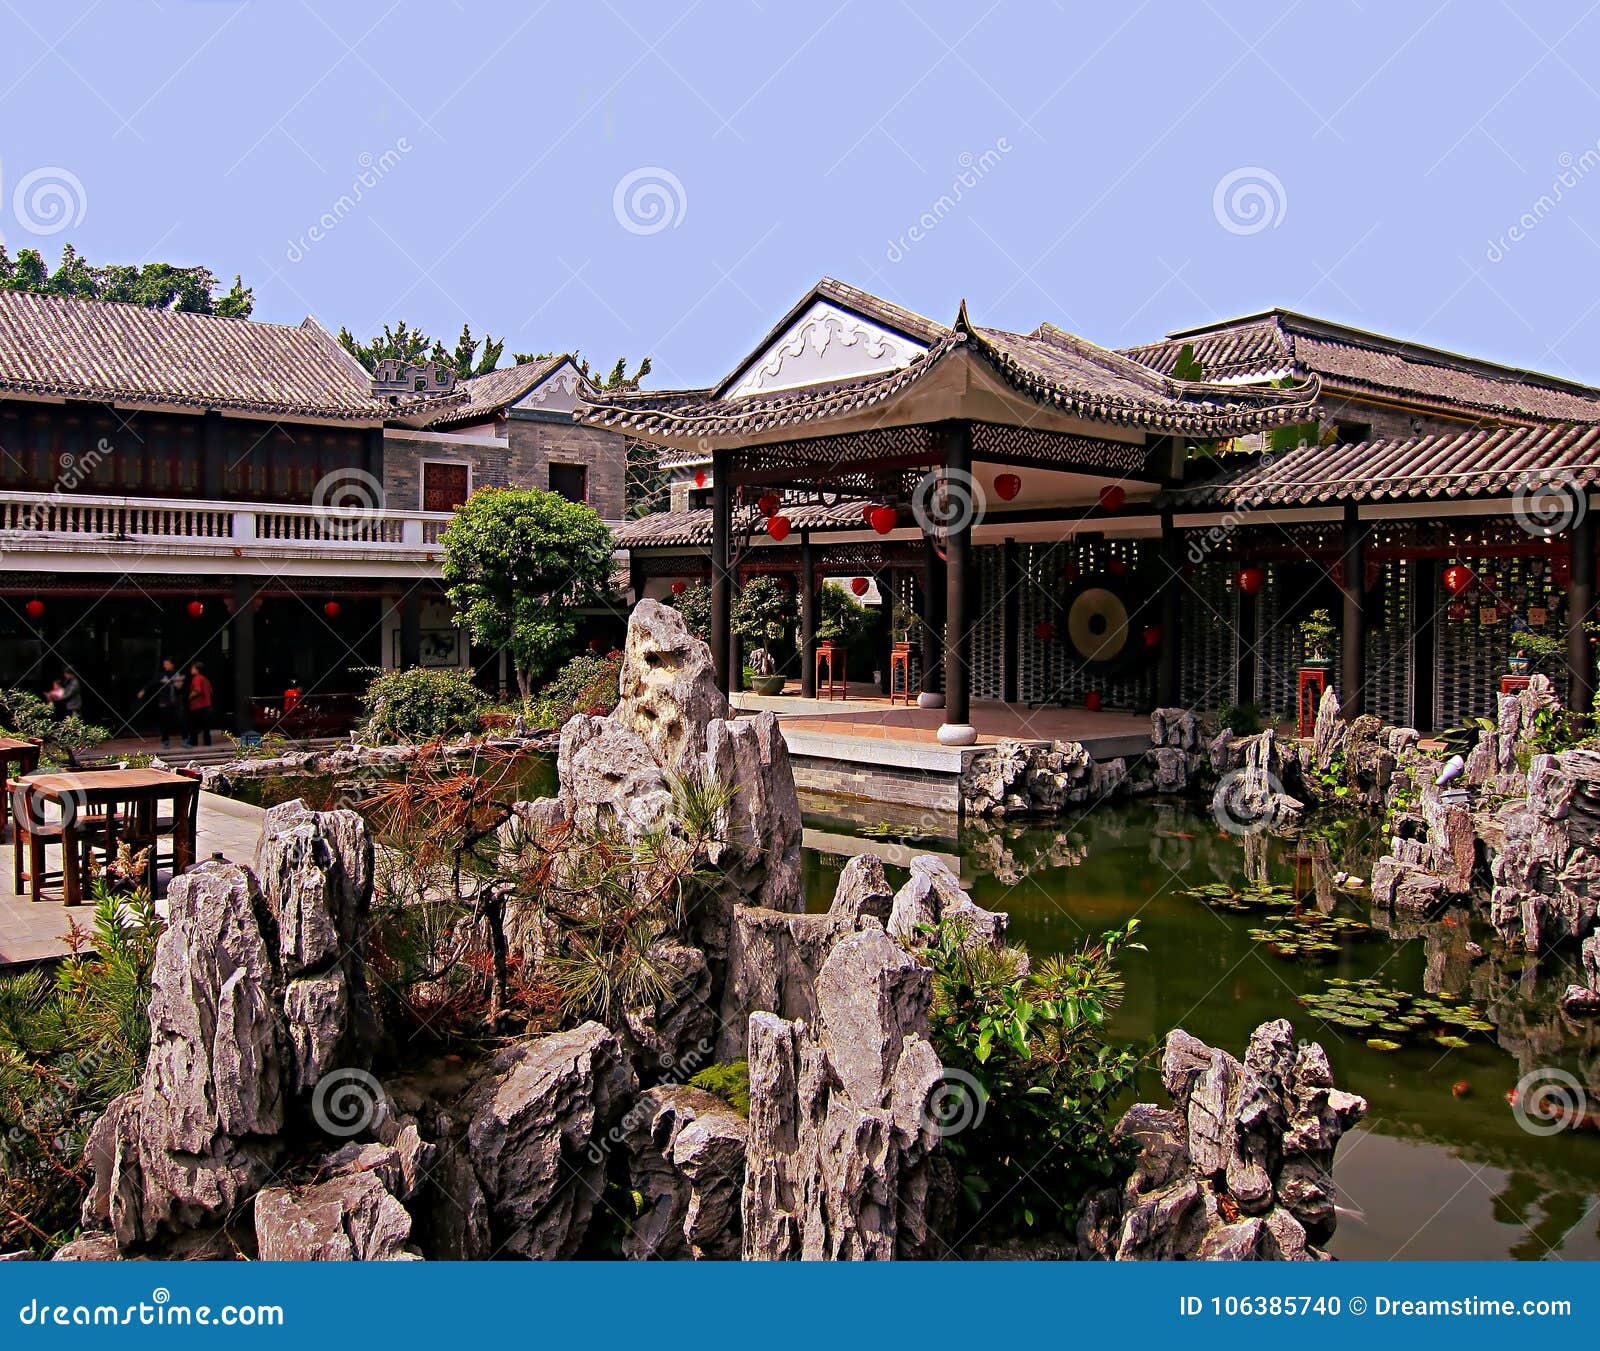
x=199, y=691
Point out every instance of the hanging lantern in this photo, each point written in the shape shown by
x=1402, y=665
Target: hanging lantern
x=1457, y=578
x=1007, y=486
x=884, y=519
x=195, y=608
x=859, y=585
x=867, y=508
x=699, y=478
x=34, y=609
x=1117, y=568
x=678, y=588
x=767, y=503
x=1112, y=496
x=1152, y=636
x=1092, y=701
x=331, y=609
x=778, y=527
x=1250, y=580
x=1044, y=630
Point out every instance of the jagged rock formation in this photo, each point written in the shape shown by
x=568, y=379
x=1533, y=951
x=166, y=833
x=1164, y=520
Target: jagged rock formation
x=842, y=1160
x=1432, y=854
x=1492, y=763
x=1249, y=794
x=933, y=895
x=1240, y=1167
x=354, y=1215
x=1175, y=757
x=1013, y=779
x=1547, y=869
x=686, y=1159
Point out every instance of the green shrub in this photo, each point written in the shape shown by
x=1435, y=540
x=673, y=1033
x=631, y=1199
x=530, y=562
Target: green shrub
x=27, y=715
x=695, y=607
x=420, y=705
x=1240, y=719
x=586, y=684
x=730, y=1082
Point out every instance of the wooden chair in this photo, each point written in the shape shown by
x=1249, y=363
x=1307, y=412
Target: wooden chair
x=32, y=838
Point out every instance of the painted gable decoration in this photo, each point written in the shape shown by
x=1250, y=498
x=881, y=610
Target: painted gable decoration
x=558, y=392
x=824, y=344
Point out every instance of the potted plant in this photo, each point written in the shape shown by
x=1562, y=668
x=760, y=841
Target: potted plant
x=1316, y=634
x=763, y=616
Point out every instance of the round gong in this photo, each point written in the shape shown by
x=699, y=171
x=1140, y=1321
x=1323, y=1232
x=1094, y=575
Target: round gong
x=1097, y=625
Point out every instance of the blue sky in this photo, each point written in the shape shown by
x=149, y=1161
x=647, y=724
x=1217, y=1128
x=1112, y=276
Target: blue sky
x=1129, y=168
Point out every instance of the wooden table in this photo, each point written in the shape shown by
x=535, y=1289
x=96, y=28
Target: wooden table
x=103, y=793
x=26, y=756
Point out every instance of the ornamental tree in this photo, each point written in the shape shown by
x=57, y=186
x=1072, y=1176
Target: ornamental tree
x=518, y=564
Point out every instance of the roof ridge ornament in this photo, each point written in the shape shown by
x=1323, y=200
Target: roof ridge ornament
x=393, y=378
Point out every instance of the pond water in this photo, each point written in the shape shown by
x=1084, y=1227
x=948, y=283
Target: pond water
x=1441, y=1167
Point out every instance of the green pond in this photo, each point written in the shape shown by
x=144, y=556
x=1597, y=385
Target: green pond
x=1441, y=1167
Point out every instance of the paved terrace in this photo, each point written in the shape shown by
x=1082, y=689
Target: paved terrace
x=34, y=931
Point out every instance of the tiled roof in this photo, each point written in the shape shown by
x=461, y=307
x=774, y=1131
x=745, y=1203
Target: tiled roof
x=694, y=527
x=1280, y=342
x=486, y=395
x=1049, y=366
x=1489, y=462
x=91, y=349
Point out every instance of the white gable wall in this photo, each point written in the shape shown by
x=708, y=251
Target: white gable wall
x=825, y=343
x=556, y=393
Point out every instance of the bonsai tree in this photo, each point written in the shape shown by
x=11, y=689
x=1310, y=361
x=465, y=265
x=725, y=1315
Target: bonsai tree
x=517, y=564
x=1316, y=633
x=695, y=607
x=841, y=618
x=25, y=714
x=763, y=615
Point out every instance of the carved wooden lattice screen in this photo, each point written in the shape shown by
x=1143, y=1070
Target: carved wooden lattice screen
x=1210, y=664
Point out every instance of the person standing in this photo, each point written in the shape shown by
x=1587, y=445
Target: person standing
x=199, y=706
x=66, y=695
x=166, y=689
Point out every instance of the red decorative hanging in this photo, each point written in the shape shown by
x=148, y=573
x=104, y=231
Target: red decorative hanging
x=1044, y=630
x=34, y=609
x=778, y=527
x=1007, y=486
x=1117, y=568
x=678, y=588
x=331, y=609
x=1250, y=580
x=699, y=478
x=859, y=585
x=195, y=608
x=1457, y=578
x=884, y=519
x=1152, y=635
x=867, y=508
x=1092, y=701
x=1112, y=496
x=768, y=504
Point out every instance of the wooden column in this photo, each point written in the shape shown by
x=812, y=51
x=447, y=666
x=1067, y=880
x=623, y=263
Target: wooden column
x=1580, y=601
x=1169, y=674
x=243, y=627
x=1353, y=641
x=1247, y=625
x=1425, y=617
x=721, y=582
x=932, y=627
x=808, y=618
x=957, y=729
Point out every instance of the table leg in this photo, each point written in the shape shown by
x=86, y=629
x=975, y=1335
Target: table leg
x=71, y=883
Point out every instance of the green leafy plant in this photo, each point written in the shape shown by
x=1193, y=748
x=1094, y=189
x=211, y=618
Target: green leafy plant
x=27, y=715
x=841, y=618
x=695, y=607
x=763, y=616
x=420, y=704
x=730, y=1082
x=1316, y=635
x=1240, y=719
x=586, y=684
x=1031, y=1073
x=518, y=565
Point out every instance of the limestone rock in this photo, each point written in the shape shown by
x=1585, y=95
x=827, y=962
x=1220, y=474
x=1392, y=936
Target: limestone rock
x=88, y=1248
x=1547, y=869
x=933, y=895
x=349, y=1218
x=610, y=780
x=686, y=1153
x=1580, y=1001
x=668, y=687
x=1175, y=727
x=863, y=891
x=760, y=829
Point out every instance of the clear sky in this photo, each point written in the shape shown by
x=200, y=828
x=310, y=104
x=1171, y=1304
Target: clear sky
x=667, y=178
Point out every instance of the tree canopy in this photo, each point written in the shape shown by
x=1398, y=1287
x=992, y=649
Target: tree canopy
x=517, y=564
x=159, y=286
x=470, y=356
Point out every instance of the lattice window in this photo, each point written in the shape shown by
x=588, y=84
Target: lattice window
x=1210, y=656
x=987, y=679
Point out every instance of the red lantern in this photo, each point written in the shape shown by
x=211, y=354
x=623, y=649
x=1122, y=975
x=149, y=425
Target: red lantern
x=1092, y=701
x=1152, y=636
x=867, y=508
x=1007, y=486
x=1457, y=578
x=1250, y=580
x=678, y=588
x=331, y=609
x=1117, y=568
x=1044, y=630
x=767, y=503
x=195, y=609
x=859, y=585
x=884, y=519
x=34, y=609
x=1112, y=496
x=778, y=527
x=699, y=478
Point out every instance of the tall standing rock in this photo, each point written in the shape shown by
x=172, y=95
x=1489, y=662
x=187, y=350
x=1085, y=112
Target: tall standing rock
x=686, y=1155
x=668, y=687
